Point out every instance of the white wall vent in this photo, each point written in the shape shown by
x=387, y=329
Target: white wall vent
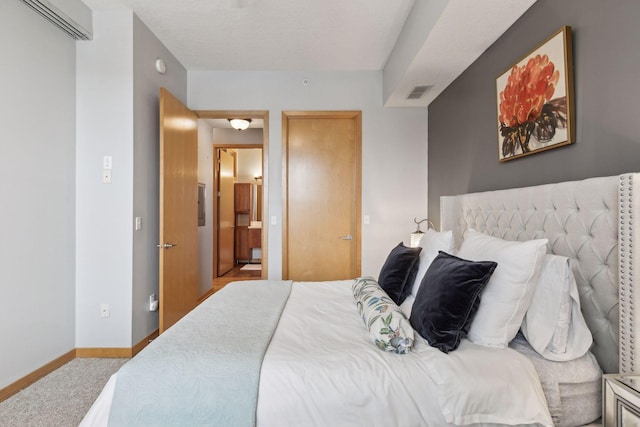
x=419, y=91
x=71, y=16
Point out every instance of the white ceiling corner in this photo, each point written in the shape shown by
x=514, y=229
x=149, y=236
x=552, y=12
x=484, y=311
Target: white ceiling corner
x=464, y=30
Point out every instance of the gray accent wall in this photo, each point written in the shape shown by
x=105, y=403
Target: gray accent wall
x=463, y=146
x=146, y=166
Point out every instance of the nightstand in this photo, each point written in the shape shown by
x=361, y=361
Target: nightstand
x=620, y=400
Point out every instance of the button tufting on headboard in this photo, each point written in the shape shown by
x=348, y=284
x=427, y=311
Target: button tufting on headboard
x=629, y=207
x=577, y=219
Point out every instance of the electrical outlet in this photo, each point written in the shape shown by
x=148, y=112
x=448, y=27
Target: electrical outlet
x=153, y=302
x=104, y=310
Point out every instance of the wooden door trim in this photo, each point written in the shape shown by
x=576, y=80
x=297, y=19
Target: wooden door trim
x=251, y=114
x=338, y=114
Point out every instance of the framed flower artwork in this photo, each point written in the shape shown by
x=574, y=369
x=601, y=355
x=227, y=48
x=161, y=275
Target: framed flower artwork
x=535, y=100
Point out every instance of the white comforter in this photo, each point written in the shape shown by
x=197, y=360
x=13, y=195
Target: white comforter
x=321, y=369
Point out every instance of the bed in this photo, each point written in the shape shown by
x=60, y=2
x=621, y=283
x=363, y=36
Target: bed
x=273, y=353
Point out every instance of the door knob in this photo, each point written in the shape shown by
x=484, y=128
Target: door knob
x=166, y=245
x=347, y=237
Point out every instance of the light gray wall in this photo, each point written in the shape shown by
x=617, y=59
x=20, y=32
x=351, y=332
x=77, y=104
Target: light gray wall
x=394, y=177
x=104, y=234
x=463, y=144
x=146, y=160
x=249, y=164
x=205, y=232
x=224, y=136
x=37, y=192
x=118, y=92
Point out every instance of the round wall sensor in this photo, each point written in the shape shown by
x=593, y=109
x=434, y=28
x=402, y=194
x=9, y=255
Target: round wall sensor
x=161, y=67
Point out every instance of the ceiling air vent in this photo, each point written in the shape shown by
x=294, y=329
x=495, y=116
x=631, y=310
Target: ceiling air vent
x=419, y=91
x=71, y=16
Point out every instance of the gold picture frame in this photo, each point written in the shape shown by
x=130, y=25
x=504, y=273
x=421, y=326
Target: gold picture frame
x=535, y=100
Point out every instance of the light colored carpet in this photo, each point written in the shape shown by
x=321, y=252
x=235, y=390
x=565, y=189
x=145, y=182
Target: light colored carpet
x=250, y=267
x=62, y=398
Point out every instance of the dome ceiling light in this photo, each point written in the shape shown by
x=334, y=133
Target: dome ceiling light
x=240, y=124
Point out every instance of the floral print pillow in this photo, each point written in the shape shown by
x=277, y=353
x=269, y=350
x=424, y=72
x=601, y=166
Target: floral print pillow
x=388, y=326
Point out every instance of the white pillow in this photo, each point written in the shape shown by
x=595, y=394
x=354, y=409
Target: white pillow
x=554, y=324
x=407, y=305
x=506, y=298
x=432, y=242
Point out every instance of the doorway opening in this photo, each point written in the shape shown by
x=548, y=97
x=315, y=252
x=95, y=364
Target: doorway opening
x=234, y=246
x=238, y=182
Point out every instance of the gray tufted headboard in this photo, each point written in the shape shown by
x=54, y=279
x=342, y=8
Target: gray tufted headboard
x=590, y=221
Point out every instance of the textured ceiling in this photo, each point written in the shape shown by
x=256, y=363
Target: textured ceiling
x=331, y=35
x=273, y=34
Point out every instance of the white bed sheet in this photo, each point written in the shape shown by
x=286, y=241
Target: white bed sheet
x=322, y=369
x=98, y=415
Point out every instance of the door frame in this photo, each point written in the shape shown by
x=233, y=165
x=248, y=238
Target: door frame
x=250, y=114
x=340, y=114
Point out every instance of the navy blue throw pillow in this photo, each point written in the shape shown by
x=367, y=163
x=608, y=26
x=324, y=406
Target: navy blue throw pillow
x=448, y=298
x=399, y=272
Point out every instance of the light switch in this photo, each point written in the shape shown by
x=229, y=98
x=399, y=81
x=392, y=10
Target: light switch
x=138, y=223
x=274, y=220
x=367, y=220
x=107, y=162
x=106, y=176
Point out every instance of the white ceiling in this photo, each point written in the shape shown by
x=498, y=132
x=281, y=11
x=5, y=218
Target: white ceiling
x=341, y=35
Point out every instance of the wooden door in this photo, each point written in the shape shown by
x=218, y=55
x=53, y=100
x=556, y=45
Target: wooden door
x=226, y=214
x=178, y=210
x=322, y=157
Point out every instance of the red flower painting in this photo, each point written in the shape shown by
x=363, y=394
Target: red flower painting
x=527, y=107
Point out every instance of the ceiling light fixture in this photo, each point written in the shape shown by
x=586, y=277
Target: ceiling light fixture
x=240, y=124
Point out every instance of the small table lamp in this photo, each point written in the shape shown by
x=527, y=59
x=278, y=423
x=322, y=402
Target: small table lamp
x=416, y=236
